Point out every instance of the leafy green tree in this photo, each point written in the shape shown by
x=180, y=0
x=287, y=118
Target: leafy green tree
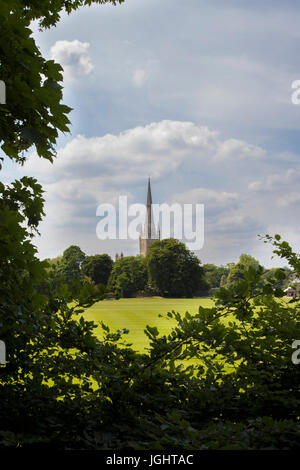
x=54, y=261
x=35, y=323
x=272, y=272
x=244, y=391
x=213, y=274
x=70, y=266
x=224, y=277
x=98, y=268
x=33, y=114
x=45, y=344
x=173, y=269
x=128, y=276
x=237, y=271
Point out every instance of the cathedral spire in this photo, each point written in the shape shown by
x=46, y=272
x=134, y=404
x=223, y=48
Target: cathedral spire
x=149, y=196
x=149, y=233
x=149, y=221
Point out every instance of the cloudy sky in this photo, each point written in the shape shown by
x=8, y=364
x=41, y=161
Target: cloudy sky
x=194, y=94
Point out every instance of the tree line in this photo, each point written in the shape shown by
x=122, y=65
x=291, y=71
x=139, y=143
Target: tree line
x=169, y=270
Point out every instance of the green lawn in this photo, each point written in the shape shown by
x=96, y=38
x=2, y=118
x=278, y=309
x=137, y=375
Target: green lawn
x=135, y=314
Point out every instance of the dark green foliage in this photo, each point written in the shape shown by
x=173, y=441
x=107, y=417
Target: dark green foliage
x=97, y=268
x=213, y=275
x=282, y=275
x=67, y=271
x=33, y=113
x=70, y=266
x=128, y=276
x=75, y=267
x=62, y=388
x=237, y=271
x=173, y=269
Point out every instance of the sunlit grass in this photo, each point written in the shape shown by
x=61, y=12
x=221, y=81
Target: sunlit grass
x=135, y=314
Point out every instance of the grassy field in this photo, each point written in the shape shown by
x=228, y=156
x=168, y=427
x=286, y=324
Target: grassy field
x=135, y=314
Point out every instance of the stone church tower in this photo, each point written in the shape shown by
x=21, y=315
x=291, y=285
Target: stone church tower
x=149, y=234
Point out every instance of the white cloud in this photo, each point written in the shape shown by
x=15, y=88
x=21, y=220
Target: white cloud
x=237, y=149
x=160, y=147
x=235, y=222
x=90, y=171
x=121, y=159
x=209, y=197
x=277, y=181
x=289, y=199
x=139, y=77
x=74, y=202
x=74, y=58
